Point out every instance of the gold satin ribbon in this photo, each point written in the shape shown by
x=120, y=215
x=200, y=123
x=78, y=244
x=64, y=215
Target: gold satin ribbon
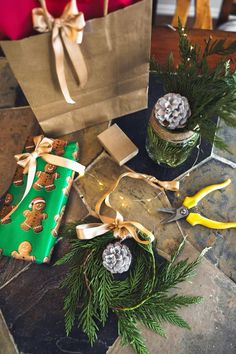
x=43, y=148
x=121, y=229
x=67, y=31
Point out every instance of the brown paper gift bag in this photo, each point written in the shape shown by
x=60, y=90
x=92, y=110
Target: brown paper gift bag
x=116, y=50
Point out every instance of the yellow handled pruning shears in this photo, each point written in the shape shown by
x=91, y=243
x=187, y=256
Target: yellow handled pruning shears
x=196, y=218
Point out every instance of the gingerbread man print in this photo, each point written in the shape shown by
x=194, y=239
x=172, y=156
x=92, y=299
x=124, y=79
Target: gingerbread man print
x=29, y=144
x=6, y=209
x=34, y=217
x=46, y=178
x=67, y=188
x=76, y=153
x=58, y=146
x=23, y=252
x=18, y=176
x=58, y=219
x=47, y=258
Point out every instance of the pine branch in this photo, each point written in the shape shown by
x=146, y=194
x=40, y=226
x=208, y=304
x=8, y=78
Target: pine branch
x=159, y=307
x=141, y=297
x=69, y=256
x=174, y=319
x=178, y=252
x=220, y=144
x=161, y=312
x=145, y=315
x=136, y=276
x=87, y=322
x=102, y=285
x=138, y=285
x=154, y=66
x=177, y=301
x=154, y=326
x=175, y=274
x=210, y=92
x=130, y=334
x=72, y=299
x=172, y=274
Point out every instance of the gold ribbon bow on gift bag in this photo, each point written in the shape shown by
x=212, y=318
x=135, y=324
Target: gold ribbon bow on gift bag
x=43, y=149
x=121, y=229
x=67, y=31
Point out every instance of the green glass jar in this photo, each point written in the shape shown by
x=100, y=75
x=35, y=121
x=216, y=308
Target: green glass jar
x=168, y=147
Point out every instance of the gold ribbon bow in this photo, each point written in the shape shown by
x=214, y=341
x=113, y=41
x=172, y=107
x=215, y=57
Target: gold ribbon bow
x=67, y=31
x=43, y=147
x=121, y=229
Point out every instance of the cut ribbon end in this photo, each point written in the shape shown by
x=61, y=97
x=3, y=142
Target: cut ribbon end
x=70, y=101
x=82, y=171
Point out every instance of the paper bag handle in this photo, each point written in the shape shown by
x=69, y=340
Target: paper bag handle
x=105, y=7
x=45, y=12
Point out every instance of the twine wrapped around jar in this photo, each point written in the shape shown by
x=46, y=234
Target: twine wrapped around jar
x=168, y=147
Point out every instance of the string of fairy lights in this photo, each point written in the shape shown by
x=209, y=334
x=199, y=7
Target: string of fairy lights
x=124, y=201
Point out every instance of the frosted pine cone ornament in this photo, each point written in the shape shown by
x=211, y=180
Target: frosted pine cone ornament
x=117, y=258
x=172, y=111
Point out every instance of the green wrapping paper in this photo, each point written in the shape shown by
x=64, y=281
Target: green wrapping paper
x=31, y=230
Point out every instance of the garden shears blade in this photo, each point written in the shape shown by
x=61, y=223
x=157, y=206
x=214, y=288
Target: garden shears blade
x=184, y=212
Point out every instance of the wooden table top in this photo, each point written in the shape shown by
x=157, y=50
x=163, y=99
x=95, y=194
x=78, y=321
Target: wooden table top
x=165, y=40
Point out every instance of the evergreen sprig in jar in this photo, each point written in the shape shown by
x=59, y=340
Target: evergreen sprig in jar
x=169, y=147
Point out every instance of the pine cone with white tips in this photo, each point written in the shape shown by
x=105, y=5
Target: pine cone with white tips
x=117, y=258
x=172, y=111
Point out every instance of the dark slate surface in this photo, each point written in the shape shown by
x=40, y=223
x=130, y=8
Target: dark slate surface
x=32, y=305
x=30, y=297
x=219, y=205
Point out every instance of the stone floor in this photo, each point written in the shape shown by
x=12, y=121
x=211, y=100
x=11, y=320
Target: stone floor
x=31, y=301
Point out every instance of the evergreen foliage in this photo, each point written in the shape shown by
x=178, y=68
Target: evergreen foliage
x=142, y=296
x=210, y=91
